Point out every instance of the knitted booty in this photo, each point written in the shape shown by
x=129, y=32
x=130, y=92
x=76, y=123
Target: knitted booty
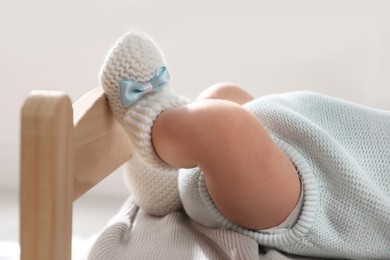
x=137, y=61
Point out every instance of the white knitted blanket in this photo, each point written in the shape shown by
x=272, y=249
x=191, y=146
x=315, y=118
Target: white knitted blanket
x=133, y=234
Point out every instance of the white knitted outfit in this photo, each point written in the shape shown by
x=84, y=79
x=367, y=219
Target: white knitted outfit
x=153, y=183
x=342, y=153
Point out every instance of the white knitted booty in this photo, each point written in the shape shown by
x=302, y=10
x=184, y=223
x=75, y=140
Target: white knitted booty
x=136, y=62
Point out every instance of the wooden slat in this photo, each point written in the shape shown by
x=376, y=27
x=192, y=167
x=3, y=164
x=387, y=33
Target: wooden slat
x=100, y=145
x=62, y=157
x=46, y=177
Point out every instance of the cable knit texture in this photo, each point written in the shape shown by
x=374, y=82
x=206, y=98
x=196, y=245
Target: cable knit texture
x=135, y=56
x=342, y=153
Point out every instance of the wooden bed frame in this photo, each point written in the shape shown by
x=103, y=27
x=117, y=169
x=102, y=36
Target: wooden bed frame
x=65, y=150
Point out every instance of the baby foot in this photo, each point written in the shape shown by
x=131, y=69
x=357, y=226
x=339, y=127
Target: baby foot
x=136, y=83
x=135, y=59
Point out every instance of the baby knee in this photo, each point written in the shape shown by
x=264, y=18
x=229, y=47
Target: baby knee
x=218, y=91
x=226, y=91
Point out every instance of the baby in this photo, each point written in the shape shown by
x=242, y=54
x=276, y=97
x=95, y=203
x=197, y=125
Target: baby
x=301, y=172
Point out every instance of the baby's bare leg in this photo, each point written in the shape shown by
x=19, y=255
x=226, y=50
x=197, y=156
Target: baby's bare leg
x=252, y=182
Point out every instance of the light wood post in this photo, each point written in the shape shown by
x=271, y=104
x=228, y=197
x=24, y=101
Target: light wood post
x=46, y=177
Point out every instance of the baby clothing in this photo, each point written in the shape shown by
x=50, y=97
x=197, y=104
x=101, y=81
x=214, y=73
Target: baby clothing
x=342, y=153
x=290, y=221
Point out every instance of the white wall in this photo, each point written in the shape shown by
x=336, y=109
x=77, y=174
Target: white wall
x=340, y=48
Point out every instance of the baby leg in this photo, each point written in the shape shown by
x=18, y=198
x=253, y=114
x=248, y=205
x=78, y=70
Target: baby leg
x=252, y=182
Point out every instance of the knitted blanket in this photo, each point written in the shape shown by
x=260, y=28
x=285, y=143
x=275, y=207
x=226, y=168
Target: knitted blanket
x=133, y=234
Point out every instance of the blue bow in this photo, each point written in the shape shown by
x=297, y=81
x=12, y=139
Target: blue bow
x=131, y=91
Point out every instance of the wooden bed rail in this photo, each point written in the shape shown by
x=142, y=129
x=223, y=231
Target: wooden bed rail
x=65, y=151
x=101, y=145
x=46, y=177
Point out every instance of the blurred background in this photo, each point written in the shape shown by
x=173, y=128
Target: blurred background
x=340, y=48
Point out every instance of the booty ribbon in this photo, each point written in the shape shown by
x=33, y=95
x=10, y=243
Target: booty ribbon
x=131, y=91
